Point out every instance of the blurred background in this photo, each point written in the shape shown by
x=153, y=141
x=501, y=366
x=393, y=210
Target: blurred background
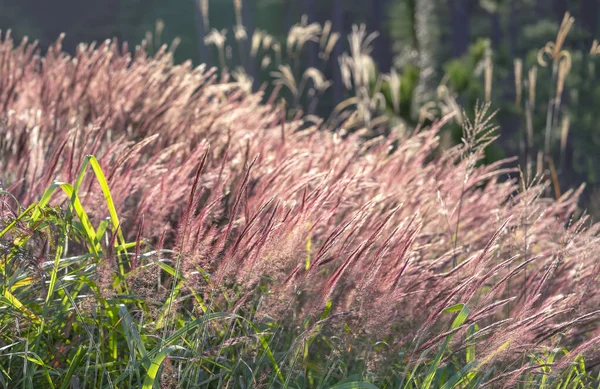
x=536, y=66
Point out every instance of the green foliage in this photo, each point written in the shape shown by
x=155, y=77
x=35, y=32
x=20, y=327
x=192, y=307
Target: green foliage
x=464, y=73
x=410, y=80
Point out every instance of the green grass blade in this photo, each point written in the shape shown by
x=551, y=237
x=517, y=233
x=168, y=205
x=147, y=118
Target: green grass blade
x=470, y=351
x=546, y=370
x=107, y=195
x=35, y=359
x=463, y=313
x=79, y=355
x=11, y=225
x=156, y=362
x=175, y=336
x=90, y=232
x=129, y=327
x=466, y=372
x=112, y=211
x=53, y=274
x=8, y=298
x=355, y=385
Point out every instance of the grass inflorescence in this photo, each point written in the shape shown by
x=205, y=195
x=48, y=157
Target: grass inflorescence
x=161, y=226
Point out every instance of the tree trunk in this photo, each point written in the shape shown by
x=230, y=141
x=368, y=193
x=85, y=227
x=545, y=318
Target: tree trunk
x=560, y=8
x=589, y=19
x=513, y=31
x=425, y=27
x=290, y=16
x=496, y=30
x=248, y=10
x=459, y=15
x=337, y=21
x=201, y=31
x=382, y=53
x=250, y=64
x=313, y=48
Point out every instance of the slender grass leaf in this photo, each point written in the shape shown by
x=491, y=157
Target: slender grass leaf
x=79, y=355
x=355, y=385
x=461, y=317
x=14, y=302
x=155, y=365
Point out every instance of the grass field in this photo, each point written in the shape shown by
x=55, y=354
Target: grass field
x=162, y=227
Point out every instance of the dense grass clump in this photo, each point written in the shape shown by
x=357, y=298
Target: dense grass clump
x=211, y=243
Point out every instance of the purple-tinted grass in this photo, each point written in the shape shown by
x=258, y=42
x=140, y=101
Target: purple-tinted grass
x=197, y=165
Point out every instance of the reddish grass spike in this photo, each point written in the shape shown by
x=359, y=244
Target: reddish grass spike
x=238, y=199
x=402, y=254
x=492, y=241
x=191, y=198
x=247, y=259
x=246, y=209
x=161, y=241
x=133, y=151
x=372, y=268
x=52, y=165
x=111, y=245
x=330, y=241
x=249, y=224
x=335, y=277
x=71, y=161
x=267, y=230
x=489, y=309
